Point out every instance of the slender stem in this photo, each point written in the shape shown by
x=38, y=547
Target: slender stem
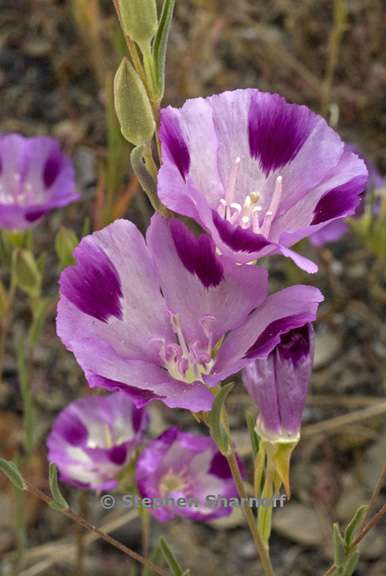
x=373, y=522
x=146, y=521
x=80, y=540
x=8, y=314
x=80, y=521
x=340, y=18
x=376, y=492
x=251, y=521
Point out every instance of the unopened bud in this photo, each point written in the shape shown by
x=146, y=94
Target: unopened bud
x=139, y=19
x=132, y=105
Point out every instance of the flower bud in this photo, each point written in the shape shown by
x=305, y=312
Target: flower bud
x=139, y=19
x=132, y=105
x=27, y=274
x=278, y=385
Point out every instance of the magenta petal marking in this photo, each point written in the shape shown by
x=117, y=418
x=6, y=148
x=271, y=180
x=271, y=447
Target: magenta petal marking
x=172, y=139
x=341, y=201
x=93, y=284
x=198, y=254
x=237, y=238
x=277, y=130
x=52, y=168
x=271, y=335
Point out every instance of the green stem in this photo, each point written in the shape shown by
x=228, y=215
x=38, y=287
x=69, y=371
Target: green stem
x=265, y=512
x=80, y=540
x=146, y=522
x=251, y=521
x=8, y=315
x=84, y=523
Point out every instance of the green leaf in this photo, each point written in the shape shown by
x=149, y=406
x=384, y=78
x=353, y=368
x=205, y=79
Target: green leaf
x=217, y=430
x=171, y=560
x=12, y=472
x=58, y=502
x=156, y=557
x=132, y=105
x=339, y=546
x=355, y=524
x=251, y=424
x=161, y=42
x=65, y=243
x=27, y=274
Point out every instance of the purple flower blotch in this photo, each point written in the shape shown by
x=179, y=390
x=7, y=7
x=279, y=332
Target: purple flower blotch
x=93, y=438
x=376, y=186
x=181, y=465
x=270, y=173
x=35, y=177
x=168, y=318
x=278, y=384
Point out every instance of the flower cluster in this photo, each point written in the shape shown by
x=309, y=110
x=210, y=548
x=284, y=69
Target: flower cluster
x=171, y=316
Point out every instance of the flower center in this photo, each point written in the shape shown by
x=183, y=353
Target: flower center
x=250, y=214
x=188, y=363
x=172, y=482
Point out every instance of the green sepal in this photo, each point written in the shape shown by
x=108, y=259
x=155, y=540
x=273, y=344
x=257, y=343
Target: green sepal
x=132, y=105
x=218, y=432
x=58, y=501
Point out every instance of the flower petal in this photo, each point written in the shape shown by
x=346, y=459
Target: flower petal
x=228, y=303
x=282, y=311
x=277, y=130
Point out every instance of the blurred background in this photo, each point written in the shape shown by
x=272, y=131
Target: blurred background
x=57, y=60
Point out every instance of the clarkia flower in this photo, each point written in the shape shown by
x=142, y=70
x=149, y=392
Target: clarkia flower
x=35, y=177
x=279, y=384
x=168, y=318
x=181, y=465
x=93, y=439
x=374, y=191
x=257, y=172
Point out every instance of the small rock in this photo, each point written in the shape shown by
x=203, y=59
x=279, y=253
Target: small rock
x=298, y=523
x=327, y=348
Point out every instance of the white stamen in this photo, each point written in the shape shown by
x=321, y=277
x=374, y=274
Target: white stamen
x=273, y=207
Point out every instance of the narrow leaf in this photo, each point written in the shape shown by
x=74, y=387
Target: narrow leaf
x=350, y=564
x=161, y=42
x=339, y=546
x=171, y=560
x=59, y=502
x=355, y=524
x=12, y=472
x=156, y=557
x=218, y=432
